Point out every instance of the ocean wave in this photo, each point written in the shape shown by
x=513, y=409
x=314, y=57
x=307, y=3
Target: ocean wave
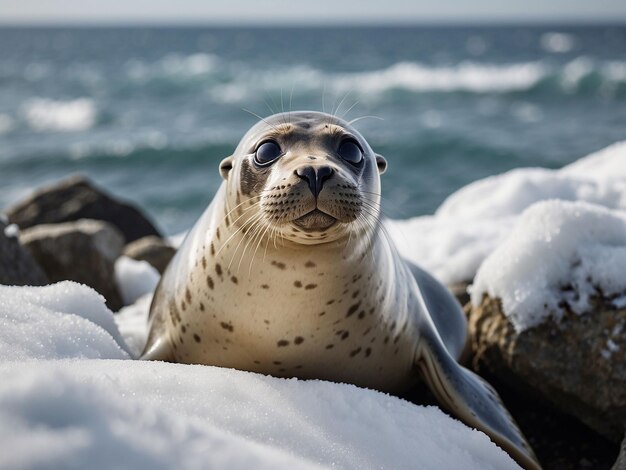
x=580, y=76
x=6, y=124
x=558, y=43
x=466, y=76
x=43, y=114
x=172, y=66
x=230, y=81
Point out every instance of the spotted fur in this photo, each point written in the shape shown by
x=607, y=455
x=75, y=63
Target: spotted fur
x=277, y=280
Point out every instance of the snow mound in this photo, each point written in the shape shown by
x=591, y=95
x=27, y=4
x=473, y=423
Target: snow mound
x=473, y=221
x=558, y=252
x=134, y=414
x=132, y=322
x=65, y=392
x=57, y=321
x=76, y=420
x=135, y=278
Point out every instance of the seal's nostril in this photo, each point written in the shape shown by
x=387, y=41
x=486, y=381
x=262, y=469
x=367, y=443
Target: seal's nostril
x=315, y=177
x=323, y=173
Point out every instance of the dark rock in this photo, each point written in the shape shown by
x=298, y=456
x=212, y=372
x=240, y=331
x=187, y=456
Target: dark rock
x=559, y=440
x=151, y=249
x=77, y=198
x=620, y=463
x=17, y=267
x=84, y=251
x=578, y=363
x=459, y=290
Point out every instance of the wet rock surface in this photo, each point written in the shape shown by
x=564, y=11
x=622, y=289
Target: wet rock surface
x=578, y=364
x=83, y=251
x=76, y=198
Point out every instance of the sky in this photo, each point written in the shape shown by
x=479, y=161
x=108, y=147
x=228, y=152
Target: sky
x=267, y=12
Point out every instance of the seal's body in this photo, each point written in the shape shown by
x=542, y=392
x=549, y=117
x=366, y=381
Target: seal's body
x=289, y=273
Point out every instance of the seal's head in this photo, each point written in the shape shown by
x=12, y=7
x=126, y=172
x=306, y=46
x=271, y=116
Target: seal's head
x=312, y=177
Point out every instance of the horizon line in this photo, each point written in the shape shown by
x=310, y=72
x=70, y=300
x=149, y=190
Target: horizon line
x=294, y=22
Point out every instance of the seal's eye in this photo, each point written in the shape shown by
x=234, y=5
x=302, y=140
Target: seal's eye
x=350, y=151
x=267, y=152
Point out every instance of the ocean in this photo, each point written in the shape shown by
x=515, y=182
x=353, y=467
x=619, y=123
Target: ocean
x=148, y=113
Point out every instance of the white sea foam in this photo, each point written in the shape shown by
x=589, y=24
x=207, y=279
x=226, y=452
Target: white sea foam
x=557, y=42
x=172, y=65
x=235, y=82
x=44, y=114
x=466, y=76
x=6, y=124
x=414, y=77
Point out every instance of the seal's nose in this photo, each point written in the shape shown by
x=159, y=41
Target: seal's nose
x=315, y=176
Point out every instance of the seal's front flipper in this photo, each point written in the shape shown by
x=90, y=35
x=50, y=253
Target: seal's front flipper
x=472, y=400
x=159, y=350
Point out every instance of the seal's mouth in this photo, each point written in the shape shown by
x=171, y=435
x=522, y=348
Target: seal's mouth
x=315, y=220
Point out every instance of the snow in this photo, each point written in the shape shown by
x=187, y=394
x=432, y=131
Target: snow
x=134, y=278
x=177, y=239
x=558, y=252
x=70, y=397
x=12, y=231
x=472, y=222
x=132, y=321
x=63, y=320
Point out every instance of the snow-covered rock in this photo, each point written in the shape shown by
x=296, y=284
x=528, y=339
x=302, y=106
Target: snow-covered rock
x=548, y=313
x=558, y=256
x=152, y=249
x=70, y=398
x=472, y=222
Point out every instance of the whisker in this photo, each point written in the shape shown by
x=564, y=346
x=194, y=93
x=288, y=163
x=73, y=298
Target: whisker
x=290, y=97
x=237, y=206
x=248, y=223
x=349, y=109
x=252, y=226
x=250, y=240
x=257, y=248
x=259, y=117
x=240, y=228
x=336, y=111
x=365, y=117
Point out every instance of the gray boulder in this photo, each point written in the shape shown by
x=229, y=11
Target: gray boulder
x=577, y=364
x=84, y=251
x=151, y=249
x=77, y=198
x=17, y=267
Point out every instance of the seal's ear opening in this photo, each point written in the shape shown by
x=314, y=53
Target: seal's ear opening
x=381, y=163
x=225, y=166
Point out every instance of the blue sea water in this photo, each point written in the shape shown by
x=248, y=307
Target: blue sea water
x=150, y=112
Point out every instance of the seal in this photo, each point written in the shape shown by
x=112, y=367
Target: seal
x=289, y=272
